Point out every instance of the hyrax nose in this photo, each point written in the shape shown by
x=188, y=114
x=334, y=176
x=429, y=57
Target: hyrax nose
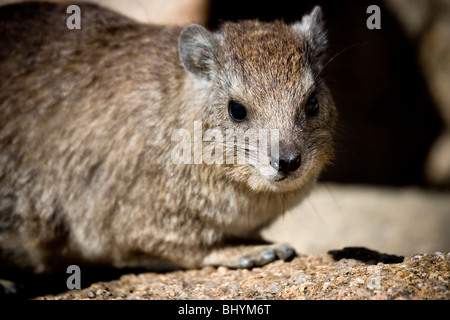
x=286, y=165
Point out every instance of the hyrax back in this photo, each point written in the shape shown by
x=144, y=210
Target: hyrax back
x=87, y=119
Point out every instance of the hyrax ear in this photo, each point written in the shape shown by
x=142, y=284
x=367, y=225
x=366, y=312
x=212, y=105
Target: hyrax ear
x=198, y=50
x=312, y=29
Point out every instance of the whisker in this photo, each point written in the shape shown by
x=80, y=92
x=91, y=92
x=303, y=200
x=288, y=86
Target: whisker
x=339, y=53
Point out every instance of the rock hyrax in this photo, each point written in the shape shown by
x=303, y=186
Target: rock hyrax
x=87, y=122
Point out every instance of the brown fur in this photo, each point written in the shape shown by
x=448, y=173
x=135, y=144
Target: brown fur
x=86, y=118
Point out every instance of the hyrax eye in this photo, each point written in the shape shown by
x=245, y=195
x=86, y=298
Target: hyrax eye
x=236, y=111
x=312, y=106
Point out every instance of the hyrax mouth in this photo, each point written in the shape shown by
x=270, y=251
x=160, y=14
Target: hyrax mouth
x=279, y=177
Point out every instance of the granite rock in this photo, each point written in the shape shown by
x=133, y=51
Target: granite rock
x=317, y=276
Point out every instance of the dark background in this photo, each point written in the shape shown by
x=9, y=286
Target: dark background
x=387, y=119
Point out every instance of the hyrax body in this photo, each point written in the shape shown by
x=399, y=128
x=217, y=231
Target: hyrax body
x=86, y=124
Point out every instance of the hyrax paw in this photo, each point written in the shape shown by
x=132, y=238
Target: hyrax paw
x=267, y=255
x=248, y=256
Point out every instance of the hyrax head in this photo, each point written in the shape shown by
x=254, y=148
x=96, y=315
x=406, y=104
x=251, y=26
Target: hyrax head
x=263, y=82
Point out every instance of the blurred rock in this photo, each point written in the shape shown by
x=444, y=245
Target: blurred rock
x=404, y=221
x=434, y=56
x=438, y=165
x=171, y=12
x=427, y=23
x=412, y=14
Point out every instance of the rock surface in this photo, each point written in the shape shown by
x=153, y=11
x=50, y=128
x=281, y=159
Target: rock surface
x=422, y=276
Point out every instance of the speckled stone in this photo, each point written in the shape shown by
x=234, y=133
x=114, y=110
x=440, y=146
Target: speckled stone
x=421, y=276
